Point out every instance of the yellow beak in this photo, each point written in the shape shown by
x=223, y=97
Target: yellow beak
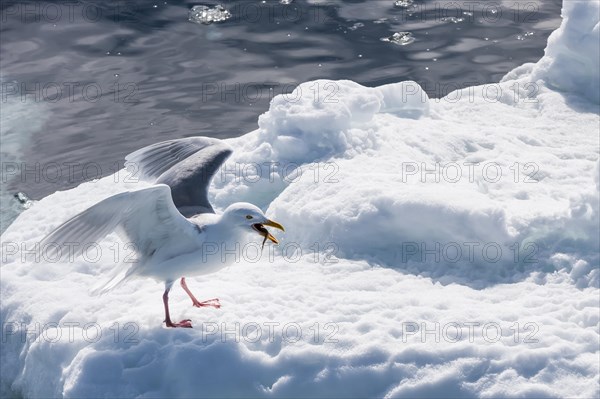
x=273, y=224
x=269, y=235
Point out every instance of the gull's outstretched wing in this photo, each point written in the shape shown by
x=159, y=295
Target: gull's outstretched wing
x=186, y=165
x=146, y=219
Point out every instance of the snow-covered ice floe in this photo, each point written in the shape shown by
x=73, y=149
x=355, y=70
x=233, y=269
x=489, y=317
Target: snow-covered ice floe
x=438, y=248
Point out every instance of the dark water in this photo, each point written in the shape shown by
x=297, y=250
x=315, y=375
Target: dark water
x=92, y=81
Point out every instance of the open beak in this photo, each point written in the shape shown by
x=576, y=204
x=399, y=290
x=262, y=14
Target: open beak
x=260, y=228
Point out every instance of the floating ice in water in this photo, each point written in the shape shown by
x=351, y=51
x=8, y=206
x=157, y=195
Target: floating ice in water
x=23, y=200
x=522, y=37
x=400, y=38
x=356, y=26
x=206, y=15
x=403, y=3
x=454, y=20
x=286, y=1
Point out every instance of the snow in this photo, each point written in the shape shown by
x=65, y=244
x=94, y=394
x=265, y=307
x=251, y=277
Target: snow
x=397, y=266
x=571, y=61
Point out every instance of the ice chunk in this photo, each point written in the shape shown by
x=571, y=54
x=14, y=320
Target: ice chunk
x=207, y=15
x=314, y=120
x=405, y=99
x=403, y=3
x=399, y=38
x=23, y=200
x=571, y=58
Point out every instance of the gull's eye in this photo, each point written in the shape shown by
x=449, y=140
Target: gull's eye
x=249, y=217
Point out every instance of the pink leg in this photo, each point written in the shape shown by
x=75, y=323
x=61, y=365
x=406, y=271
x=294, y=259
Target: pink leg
x=183, y=323
x=209, y=302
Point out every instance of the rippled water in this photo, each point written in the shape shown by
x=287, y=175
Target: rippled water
x=99, y=80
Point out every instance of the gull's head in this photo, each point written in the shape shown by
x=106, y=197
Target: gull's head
x=251, y=218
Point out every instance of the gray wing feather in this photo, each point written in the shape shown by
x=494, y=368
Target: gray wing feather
x=144, y=218
x=186, y=165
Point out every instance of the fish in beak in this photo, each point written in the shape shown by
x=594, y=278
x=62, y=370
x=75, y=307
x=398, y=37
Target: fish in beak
x=260, y=228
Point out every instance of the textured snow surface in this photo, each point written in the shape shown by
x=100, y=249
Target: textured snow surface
x=389, y=281
x=571, y=61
